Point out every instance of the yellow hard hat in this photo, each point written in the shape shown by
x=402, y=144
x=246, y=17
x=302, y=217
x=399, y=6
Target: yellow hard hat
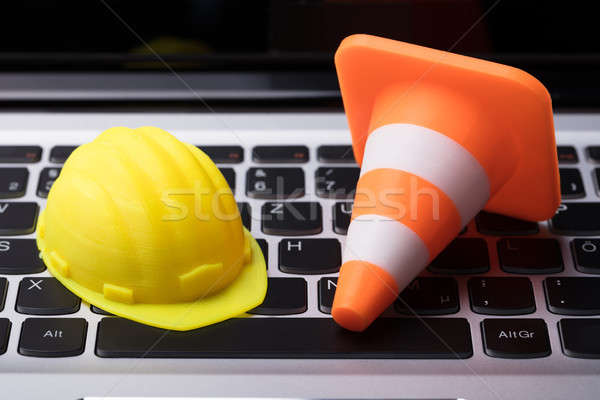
x=146, y=227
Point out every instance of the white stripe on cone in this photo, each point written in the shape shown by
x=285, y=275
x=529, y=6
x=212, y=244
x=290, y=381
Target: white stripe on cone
x=434, y=157
x=388, y=244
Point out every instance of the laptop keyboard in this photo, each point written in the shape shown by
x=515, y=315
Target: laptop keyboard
x=494, y=267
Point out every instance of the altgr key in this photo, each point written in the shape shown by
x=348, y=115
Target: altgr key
x=515, y=338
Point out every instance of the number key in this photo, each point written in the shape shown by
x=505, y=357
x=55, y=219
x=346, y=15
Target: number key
x=336, y=183
x=47, y=178
x=13, y=182
x=571, y=185
x=275, y=183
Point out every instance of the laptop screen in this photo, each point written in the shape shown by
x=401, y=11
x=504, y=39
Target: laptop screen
x=286, y=44
x=207, y=34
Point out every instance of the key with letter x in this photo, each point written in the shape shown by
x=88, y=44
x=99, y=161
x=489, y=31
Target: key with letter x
x=45, y=296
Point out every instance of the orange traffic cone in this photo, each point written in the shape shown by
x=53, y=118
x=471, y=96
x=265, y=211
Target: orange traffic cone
x=439, y=137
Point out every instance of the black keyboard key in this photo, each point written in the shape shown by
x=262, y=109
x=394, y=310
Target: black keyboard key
x=342, y=213
x=264, y=247
x=463, y=256
x=579, y=337
x=224, y=154
x=586, y=253
x=573, y=296
x=245, y=214
x=47, y=178
x=594, y=153
x=567, y=155
x=292, y=218
x=20, y=154
x=336, y=183
x=391, y=338
x=4, y=334
x=3, y=290
x=275, y=183
x=98, y=310
x=13, y=182
x=17, y=218
x=327, y=288
x=571, y=184
x=530, y=256
x=45, y=296
x=52, y=337
x=229, y=175
x=429, y=296
x=335, y=154
x=20, y=256
x=500, y=225
x=280, y=154
x=577, y=219
x=515, y=338
x=501, y=296
x=310, y=256
x=59, y=154
x=284, y=296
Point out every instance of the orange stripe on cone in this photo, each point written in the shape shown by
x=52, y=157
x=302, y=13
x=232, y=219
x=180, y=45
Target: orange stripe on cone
x=412, y=201
x=363, y=292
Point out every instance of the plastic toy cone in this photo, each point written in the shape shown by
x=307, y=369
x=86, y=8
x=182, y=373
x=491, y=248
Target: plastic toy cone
x=439, y=137
x=146, y=227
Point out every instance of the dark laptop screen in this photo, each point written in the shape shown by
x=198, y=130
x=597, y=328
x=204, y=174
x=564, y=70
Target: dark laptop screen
x=206, y=34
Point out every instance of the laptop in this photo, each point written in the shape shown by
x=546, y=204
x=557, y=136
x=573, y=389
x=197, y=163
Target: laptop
x=509, y=310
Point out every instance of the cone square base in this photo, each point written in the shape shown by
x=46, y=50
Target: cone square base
x=506, y=100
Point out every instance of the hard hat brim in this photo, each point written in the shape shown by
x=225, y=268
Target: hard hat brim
x=244, y=293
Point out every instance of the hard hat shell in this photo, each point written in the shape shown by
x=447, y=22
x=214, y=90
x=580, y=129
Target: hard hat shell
x=146, y=227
